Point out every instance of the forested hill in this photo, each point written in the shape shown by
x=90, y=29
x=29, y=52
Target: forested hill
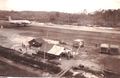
x=109, y=17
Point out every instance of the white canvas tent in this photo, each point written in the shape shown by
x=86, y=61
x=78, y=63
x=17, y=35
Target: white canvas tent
x=56, y=50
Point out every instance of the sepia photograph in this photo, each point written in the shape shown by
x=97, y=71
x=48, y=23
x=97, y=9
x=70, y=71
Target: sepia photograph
x=60, y=38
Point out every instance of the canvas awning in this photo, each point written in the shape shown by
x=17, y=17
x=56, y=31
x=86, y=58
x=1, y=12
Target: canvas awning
x=114, y=46
x=56, y=50
x=104, y=45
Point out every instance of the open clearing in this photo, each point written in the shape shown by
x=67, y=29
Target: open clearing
x=10, y=37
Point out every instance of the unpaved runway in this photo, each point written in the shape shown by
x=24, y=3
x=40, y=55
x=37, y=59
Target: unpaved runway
x=80, y=28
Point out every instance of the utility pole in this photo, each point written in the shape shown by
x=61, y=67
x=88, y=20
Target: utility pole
x=45, y=46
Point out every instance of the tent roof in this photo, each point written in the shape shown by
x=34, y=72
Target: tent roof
x=56, y=50
x=114, y=46
x=104, y=45
x=78, y=40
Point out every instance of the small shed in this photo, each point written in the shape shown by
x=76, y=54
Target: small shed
x=109, y=48
x=104, y=48
x=114, y=49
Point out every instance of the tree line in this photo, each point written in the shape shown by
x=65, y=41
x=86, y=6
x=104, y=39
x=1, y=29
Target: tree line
x=110, y=17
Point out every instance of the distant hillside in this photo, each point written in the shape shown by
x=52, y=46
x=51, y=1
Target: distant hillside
x=109, y=17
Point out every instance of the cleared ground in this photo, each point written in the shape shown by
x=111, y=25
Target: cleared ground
x=91, y=38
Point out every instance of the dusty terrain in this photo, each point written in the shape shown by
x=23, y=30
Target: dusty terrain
x=92, y=58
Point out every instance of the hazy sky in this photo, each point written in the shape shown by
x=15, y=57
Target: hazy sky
x=71, y=6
